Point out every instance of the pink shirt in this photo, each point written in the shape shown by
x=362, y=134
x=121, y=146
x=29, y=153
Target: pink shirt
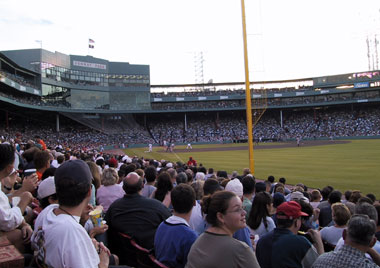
x=106, y=195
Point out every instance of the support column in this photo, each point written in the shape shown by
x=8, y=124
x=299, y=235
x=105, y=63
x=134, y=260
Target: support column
x=6, y=120
x=57, y=123
x=185, y=122
x=281, y=119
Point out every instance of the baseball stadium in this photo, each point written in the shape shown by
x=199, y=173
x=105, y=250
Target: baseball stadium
x=317, y=131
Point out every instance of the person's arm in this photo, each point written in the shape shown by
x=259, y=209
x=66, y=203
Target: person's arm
x=104, y=253
x=247, y=258
x=374, y=255
x=318, y=244
x=29, y=184
x=27, y=231
x=25, y=199
x=98, y=230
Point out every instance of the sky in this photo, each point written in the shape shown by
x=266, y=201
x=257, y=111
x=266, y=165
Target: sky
x=286, y=39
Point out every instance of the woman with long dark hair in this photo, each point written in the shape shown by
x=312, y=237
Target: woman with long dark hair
x=164, y=187
x=259, y=219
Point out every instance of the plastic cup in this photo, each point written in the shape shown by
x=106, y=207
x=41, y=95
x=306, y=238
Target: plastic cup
x=96, y=217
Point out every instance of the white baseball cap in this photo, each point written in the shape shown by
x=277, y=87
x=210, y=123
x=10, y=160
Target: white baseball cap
x=46, y=187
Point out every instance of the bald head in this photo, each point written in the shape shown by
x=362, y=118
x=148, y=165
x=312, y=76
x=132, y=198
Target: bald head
x=132, y=184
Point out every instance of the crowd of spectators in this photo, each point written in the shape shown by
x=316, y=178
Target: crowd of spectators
x=312, y=124
x=224, y=92
x=76, y=136
x=18, y=79
x=60, y=100
x=269, y=101
x=303, y=124
x=204, y=218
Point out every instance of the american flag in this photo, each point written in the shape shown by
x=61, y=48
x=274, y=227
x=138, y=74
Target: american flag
x=91, y=41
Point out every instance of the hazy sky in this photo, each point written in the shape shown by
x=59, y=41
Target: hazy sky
x=286, y=39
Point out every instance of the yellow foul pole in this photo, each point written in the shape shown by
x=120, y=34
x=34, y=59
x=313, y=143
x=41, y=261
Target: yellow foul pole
x=247, y=93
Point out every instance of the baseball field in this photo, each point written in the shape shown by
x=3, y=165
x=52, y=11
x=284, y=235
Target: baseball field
x=349, y=164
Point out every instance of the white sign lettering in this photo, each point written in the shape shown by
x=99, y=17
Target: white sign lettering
x=89, y=65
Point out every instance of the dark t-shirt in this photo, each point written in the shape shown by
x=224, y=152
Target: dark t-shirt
x=136, y=216
x=281, y=248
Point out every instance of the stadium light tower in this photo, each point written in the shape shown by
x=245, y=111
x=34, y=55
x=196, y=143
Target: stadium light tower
x=247, y=93
x=198, y=68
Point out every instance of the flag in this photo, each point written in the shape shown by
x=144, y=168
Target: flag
x=90, y=46
x=91, y=41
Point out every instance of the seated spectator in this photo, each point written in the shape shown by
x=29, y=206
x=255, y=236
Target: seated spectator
x=340, y=215
x=181, y=178
x=216, y=247
x=164, y=186
x=259, y=219
x=46, y=192
x=59, y=239
x=355, y=196
x=359, y=238
x=282, y=247
x=134, y=215
x=41, y=162
x=363, y=209
x=211, y=186
x=248, y=191
x=12, y=222
x=315, y=198
x=326, y=191
x=260, y=187
x=196, y=221
x=109, y=191
x=325, y=213
x=283, y=181
x=242, y=234
x=150, y=177
x=372, y=197
x=377, y=207
x=174, y=238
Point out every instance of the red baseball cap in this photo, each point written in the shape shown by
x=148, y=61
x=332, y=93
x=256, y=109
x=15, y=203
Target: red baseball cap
x=291, y=210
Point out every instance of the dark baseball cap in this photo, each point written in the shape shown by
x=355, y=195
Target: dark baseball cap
x=75, y=170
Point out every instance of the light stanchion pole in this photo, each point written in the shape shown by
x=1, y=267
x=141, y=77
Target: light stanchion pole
x=247, y=94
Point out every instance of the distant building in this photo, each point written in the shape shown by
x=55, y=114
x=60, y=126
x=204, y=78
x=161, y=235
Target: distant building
x=79, y=82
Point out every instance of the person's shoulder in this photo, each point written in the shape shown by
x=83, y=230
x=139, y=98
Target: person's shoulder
x=324, y=259
x=182, y=230
x=301, y=240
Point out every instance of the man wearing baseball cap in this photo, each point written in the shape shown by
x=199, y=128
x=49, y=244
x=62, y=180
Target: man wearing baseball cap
x=282, y=247
x=59, y=239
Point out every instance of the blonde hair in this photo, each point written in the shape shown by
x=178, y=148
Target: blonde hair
x=315, y=196
x=341, y=213
x=109, y=177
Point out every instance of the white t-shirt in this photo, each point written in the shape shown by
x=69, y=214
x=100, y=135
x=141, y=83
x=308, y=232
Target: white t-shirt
x=197, y=222
x=62, y=242
x=261, y=230
x=331, y=234
x=10, y=218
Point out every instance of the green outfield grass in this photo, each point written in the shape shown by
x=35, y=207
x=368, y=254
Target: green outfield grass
x=355, y=165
